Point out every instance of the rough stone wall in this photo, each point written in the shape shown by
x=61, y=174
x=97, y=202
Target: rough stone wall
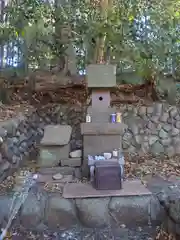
x=152, y=129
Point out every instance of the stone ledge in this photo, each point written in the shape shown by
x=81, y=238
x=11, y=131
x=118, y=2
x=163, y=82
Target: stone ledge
x=85, y=190
x=71, y=162
x=103, y=128
x=55, y=170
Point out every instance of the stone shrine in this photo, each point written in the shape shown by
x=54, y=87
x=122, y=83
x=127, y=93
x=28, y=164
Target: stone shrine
x=55, y=145
x=100, y=135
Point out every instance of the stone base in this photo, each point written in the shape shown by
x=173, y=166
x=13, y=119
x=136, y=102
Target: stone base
x=71, y=162
x=53, y=211
x=51, y=155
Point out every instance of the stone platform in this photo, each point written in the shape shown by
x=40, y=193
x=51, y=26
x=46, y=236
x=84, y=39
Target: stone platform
x=129, y=188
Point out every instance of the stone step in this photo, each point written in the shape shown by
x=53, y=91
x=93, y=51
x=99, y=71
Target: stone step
x=48, y=178
x=71, y=162
x=55, y=170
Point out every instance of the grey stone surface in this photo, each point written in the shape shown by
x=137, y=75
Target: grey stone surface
x=174, y=132
x=60, y=213
x=137, y=207
x=51, y=155
x=170, y=151
x=169, y=199
x=173, y=112
x=167, y=127
x=93, y=211
x=152, y=139
x=155, y=119
x=177, y=125
x=163, y=134
x=157, y=212
x=166, y=141
x=3, y=132
x=158, y=109
x=33, y=208
x=164, y=117
x=157, y=148
x=76, y=153
x=4, y=166
x=56, y=135
x=5, y=204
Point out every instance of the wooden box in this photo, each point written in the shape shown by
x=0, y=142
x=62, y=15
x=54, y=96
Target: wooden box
x=107, y=175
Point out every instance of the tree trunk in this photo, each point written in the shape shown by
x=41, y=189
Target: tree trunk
x=2, y=5
x=100, y=45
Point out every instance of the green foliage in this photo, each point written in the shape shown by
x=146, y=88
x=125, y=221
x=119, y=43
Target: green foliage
x=140, y=35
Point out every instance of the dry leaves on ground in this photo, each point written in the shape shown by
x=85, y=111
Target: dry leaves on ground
x=149, y=165
x=162, y=235
x=12, y=111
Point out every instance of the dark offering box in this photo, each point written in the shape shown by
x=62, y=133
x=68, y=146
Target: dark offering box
x=107, y=175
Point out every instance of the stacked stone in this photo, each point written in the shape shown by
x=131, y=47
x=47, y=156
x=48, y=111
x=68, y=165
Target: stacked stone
x=152, y=129
x=18, y=140
x=7, y=130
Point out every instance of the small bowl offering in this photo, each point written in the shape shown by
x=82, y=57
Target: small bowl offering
x=107, y=155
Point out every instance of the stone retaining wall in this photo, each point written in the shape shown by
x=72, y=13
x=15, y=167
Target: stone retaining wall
x=151, y=129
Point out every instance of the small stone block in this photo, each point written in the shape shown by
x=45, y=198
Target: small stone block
x=71, y=162
x=50, y=156
x=56, y=135
x=101, y=75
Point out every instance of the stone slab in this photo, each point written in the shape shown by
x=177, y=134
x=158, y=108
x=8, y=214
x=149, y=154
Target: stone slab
x=96, y=128
x=71, y=162
x=55, y=170
x=80, y=190
x=56, y=135
x=42, y=178
x=101, y=75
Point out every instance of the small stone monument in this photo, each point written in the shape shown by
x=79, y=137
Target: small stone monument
x=100, y=135
x=55, y=145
